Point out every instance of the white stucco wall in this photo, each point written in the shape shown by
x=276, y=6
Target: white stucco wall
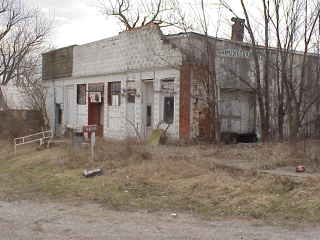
x=131, y=56
x=138, y=50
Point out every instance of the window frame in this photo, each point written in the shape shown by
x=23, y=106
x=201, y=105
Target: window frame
x=131, y=98
x=168, y=119
x=114, y=89
x=81, y=89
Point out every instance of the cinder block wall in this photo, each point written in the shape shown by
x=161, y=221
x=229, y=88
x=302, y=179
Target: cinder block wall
x=132, y=55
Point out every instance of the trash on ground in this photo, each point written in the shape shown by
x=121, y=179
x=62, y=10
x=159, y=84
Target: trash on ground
x=92, y=173
x=300, y=169
x=154, y=139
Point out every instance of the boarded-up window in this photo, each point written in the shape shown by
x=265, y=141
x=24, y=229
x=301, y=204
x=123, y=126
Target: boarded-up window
x=81, y=94
x=114, y=93
x=168, y=110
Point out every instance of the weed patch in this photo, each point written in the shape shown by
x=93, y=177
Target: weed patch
x=158, y=178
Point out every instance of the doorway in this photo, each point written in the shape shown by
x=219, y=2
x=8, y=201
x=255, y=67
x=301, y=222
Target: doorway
x=96, y=107
x=148, y=107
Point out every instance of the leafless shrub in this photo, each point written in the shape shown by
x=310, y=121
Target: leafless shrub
x=33, y=92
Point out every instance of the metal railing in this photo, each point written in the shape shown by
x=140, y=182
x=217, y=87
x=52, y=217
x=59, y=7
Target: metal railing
x=40, y=137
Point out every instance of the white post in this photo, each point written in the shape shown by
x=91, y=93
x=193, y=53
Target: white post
x=15, y=147
x=93, y=142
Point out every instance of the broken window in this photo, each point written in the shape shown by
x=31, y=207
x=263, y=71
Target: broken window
x=81, y=94
x=114, y=93
x=168, y=109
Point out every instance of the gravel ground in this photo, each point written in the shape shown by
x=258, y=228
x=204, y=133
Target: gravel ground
x=34, y=220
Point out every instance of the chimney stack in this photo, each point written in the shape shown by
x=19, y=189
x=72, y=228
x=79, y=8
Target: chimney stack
x=237, y=29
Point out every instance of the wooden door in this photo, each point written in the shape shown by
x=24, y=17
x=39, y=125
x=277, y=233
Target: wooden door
x=94, y=116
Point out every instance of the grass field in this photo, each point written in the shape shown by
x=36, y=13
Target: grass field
x=171, y=178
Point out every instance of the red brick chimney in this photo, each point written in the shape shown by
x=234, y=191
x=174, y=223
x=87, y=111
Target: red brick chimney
x=237, y=29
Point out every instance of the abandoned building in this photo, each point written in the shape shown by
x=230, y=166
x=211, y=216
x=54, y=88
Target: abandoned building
x=131, y=82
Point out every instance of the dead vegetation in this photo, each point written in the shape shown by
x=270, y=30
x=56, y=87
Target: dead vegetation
x=273, y=155
x=18, y=123
x=164, y=178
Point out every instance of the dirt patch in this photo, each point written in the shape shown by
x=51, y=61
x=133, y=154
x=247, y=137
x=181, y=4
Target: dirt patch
x=90, y=221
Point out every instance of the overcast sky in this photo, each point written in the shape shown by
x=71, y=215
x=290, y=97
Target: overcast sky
x=76, y=21
x=79, y=21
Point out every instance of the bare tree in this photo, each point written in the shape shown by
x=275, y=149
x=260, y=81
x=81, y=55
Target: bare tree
x=139, y=13
x=261, y=81
x=25, y=32
x=205, y=74
x=283, y=79
x=33, y=92
x=301, y=80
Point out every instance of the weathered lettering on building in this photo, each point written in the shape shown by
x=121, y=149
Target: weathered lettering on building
x=233, y=52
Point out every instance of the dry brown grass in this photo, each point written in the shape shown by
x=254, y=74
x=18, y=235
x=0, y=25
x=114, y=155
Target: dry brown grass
x=165, y=177
x=263, y=156
x=5, y=148
x=109, y=155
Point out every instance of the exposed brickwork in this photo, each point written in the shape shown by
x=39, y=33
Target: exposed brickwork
x=202, y=124
x=205, y=123
x=185, y=100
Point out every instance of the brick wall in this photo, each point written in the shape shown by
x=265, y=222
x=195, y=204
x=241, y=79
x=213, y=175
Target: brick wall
x=185, y=100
